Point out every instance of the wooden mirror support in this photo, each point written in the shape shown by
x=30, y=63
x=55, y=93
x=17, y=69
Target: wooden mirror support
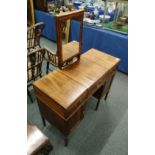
x=70, y=52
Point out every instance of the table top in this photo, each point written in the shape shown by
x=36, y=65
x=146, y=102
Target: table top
x=60, y=88
x=93, y=65
x=66, y=86
x=101, y=58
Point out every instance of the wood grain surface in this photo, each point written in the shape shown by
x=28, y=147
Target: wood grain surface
x=69, y=50
x=62, y=94
x=60, y=88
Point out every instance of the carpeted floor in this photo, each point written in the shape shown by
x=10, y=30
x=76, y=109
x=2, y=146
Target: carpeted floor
x=102, y=132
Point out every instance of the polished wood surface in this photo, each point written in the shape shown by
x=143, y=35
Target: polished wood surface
x=56, y=83
x=101, y=58
x=37, y=142
x=85, y=69
x=70, y=50
x=62, y=94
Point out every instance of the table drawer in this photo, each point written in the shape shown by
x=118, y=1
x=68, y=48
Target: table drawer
x=76, y=105
x=96, y=86
x=51, y=104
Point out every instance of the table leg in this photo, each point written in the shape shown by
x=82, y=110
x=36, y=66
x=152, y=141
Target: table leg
x=66, y=141
x=43, y=119
x=28, y=92
x=97, y=105
x=105, y=98
x=47, y=67
x=98, y=95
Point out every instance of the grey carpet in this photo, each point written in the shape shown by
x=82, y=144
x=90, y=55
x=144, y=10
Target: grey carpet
x=102, y=132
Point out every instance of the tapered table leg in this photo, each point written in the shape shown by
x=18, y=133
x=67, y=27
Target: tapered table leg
x=66, y=141
x=43, y=119
x=29, y=96
x=47, y=67
x=105, y=98
x=97, y=105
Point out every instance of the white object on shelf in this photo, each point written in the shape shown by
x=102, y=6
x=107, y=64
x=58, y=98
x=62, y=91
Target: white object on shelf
x=106, y=18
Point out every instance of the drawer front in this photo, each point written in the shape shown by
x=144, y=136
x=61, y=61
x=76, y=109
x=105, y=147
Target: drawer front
x=49, y=103
x=52, y=117
x=76, y=105
x=73, y=121
x=96, y=86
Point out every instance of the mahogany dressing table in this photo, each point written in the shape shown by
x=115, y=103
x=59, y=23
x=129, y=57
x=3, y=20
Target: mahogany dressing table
x=62, y=94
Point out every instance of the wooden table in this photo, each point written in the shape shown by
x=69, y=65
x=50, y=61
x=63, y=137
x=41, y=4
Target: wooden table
x=62, y=94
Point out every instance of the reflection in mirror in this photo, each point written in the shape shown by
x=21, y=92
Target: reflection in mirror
x=68, y=51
